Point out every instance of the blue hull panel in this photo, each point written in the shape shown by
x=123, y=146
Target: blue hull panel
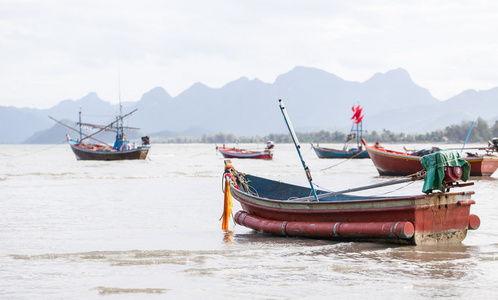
x=332, y=153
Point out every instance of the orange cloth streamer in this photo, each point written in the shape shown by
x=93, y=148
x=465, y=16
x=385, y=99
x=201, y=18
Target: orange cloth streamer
x=227, y=208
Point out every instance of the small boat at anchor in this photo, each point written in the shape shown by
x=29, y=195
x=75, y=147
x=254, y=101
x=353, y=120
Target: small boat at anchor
x=121, y=150
x=282, y=209
x=348, y=151
x=397, y=163
x=86, y=151
x=266, y=153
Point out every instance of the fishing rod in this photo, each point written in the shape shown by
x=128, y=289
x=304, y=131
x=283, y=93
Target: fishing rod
x=359, y=153
x=298, y=146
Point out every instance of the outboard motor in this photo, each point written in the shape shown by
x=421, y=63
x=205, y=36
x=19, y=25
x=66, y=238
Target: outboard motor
x=445, y=169
x=146, y=140
x=495, y=144
x=452, y=174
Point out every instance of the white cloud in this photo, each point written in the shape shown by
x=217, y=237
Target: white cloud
x=55, y=50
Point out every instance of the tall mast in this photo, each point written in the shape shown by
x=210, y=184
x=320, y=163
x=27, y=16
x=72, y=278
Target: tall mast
x=80, y=124
x=120, y=120
x=358, y=134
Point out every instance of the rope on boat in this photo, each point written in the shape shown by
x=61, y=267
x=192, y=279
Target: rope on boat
x=409, y=183
x=413, y=177
x=98, y=116
x=344, y=160
x=380, y=194
x=205, y=152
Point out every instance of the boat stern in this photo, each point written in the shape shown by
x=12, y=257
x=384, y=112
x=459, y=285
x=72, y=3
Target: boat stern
x=444, y=219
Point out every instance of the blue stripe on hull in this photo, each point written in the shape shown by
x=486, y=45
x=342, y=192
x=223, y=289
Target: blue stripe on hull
x=331, y=153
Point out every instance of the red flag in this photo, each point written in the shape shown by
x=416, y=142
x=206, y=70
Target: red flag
x=357, y=113
x=358, y=121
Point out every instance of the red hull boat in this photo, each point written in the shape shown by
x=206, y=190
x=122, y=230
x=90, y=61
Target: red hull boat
x=283, y=209
x=267, y=153
x=396, y=163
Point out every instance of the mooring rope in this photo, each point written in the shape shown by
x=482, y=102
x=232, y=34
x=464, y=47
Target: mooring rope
x=388, y=192
x=402, y=187
x=344, y=160
x=35, y=152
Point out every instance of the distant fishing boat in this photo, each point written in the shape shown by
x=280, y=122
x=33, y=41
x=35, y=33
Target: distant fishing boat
x=233, y=152
x=121, y=150
x=397, y=163
x=348, y=151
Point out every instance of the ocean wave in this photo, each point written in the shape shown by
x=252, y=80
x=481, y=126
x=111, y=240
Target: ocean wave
x=131, y=257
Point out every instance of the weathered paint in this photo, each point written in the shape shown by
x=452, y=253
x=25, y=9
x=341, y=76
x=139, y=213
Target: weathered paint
x=367, y=230
x=436, y=218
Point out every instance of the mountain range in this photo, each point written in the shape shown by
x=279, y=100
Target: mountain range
x=315, y=100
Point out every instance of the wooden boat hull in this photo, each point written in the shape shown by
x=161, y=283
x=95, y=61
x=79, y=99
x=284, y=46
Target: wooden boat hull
x=139, y=153
x=333, y=153
x=482, y=166
x=394, y=163
x=241, y=153
x=436, y=218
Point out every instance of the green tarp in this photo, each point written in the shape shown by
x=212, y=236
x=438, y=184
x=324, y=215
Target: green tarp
x=434, y=164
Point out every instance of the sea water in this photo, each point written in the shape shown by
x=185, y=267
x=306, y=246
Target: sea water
x=151, y=230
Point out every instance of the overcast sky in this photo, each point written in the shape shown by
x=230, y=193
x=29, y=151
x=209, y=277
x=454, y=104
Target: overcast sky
x=56, y=50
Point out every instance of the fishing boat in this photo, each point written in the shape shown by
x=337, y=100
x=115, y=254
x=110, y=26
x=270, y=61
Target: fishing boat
x=87, y=151
x=122, y=149
x=398, y=163
x=234, y=152
x=348, y=151
x=283, y=209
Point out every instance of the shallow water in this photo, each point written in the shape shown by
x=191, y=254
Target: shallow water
x=151, y=229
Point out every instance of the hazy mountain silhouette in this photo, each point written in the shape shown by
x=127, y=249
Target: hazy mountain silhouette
x=314, y=99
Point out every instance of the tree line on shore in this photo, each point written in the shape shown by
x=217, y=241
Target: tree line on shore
x=481, y=133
